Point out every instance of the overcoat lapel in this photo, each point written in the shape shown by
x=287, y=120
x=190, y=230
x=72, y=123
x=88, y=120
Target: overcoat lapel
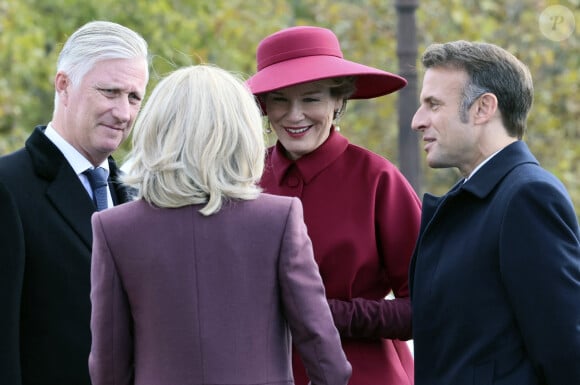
x=72, y=202
x=64, y=189
x=119, y=192
x=480, y=185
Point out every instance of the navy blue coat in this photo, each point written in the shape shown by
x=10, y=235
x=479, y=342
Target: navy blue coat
x=495, y=279
x=45, y=250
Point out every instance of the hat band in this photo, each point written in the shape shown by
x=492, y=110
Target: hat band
x=298, y=53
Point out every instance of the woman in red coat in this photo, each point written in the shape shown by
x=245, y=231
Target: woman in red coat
x=361, y=213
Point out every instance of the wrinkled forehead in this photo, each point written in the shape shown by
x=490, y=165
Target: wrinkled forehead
x=131, y=74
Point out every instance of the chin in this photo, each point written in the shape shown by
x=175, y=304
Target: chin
x=434, y=163
x=110, y=147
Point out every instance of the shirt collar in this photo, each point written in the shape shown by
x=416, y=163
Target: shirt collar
x=498, y=166
x=77, y=161
x=310, y=164
x=479, y=166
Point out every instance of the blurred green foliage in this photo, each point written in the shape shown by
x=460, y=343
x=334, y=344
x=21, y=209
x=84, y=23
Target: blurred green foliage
x=226, y=33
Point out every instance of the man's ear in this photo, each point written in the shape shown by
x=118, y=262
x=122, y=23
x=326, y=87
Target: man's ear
x=62, y=86
x=485, y=108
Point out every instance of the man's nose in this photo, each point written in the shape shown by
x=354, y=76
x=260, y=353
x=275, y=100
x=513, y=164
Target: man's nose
x=419, y=121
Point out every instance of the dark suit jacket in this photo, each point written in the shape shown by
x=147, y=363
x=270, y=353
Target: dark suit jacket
x=495, y=279
x=45, y=266
x=180, y=298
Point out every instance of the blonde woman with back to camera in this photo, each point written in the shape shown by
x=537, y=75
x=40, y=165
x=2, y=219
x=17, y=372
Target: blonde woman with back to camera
x=203, y=278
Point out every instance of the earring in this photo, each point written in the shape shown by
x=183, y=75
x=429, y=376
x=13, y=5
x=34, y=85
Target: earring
x=268, y=127
x=336, y=117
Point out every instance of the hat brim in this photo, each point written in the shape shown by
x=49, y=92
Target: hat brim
x=370, y=82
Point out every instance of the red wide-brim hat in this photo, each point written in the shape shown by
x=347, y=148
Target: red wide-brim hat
x=304, y=54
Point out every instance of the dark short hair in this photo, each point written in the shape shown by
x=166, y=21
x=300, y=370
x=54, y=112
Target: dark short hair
x=341, y=87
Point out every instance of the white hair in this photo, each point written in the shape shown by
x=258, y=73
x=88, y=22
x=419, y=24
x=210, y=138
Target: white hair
x=97, y=41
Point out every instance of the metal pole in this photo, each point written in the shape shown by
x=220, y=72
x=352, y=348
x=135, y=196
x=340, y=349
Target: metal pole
x=409, y=159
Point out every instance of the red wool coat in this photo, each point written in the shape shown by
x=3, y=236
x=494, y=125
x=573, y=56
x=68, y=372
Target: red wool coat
x=363, y=218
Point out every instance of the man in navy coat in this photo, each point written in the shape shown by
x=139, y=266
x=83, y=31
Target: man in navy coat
x=46, y=206
x=495, y=276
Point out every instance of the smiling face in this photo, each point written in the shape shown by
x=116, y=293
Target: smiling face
x=301, y=116
x=96, y=115
x=449, y=142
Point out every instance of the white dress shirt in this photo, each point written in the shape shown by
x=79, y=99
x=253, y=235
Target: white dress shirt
x=77, y=161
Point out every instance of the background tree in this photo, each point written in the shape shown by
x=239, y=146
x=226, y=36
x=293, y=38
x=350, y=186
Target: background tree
x=226, y=32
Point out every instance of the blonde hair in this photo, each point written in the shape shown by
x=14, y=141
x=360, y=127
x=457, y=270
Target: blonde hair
x=198, y=140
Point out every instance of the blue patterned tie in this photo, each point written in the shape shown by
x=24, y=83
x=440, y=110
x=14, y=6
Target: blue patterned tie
x=98, y=180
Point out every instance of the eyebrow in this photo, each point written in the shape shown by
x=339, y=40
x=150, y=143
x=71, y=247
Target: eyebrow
x=120, y=89
x=430, y=99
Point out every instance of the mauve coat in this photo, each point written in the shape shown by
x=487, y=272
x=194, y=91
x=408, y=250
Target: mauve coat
x=179, y=298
